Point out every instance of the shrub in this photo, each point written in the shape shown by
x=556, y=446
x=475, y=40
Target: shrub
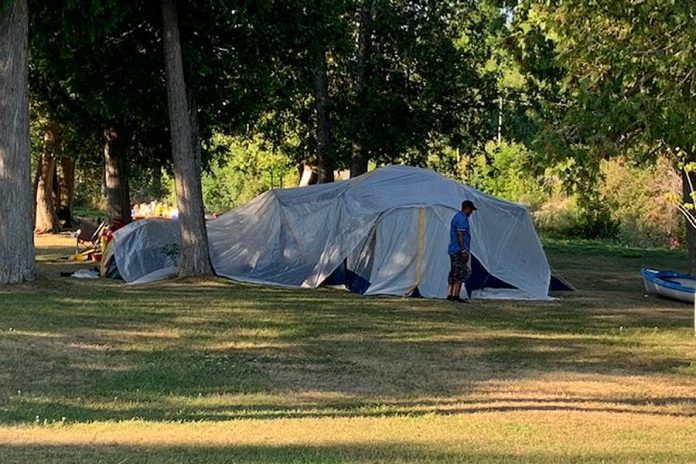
x=639, y=201
x=505, y=170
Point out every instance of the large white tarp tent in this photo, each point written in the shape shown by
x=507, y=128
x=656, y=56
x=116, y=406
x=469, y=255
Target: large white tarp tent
x=387, y=230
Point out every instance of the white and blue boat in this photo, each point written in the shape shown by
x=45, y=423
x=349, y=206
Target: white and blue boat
x=669, y=284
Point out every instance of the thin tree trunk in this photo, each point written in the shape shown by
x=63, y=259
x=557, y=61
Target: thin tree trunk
x=690, y=230
x=55, y=184
x=195, y=258
x=46, y=218
x=359, y=157
x=66, y=183
x=308, y=175
x=325, y=162
x=46, y=221
x=157, y=189
x=35, y=187
x=16, y=211
x=116, y=173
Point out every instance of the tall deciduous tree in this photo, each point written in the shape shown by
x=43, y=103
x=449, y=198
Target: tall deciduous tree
x=194, y=258
x=629, y=81
x=94, y=70
x=322, y=103
x=401, y=74
x=359, y=158
x=116, y=143
x=16, y=212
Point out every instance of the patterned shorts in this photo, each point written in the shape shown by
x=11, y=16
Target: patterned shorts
x=460, y=269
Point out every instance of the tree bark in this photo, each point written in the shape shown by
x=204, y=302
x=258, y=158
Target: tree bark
x=66, y=191
x=194, y=258
x=308, y=175
x=16, y=211
x=325, y=162
x=55, y=184
x=690, y=230
x=116, y=173
x=46, y=218
x=359, y=156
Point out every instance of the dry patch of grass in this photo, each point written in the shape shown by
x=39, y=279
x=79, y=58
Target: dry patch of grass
x=215, y=371
x=516, y=436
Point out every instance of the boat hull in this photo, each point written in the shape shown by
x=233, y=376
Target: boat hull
x=669, y=284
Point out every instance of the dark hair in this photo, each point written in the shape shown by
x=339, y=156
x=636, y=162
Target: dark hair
x=468, y=204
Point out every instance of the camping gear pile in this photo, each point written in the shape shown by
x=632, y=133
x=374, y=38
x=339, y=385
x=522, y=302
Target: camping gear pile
x=92, y=239
x=385, y=232
x=154, y=209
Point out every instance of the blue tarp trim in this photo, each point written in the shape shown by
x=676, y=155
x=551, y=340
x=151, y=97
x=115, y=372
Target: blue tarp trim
x=480, y=278
x=344, y=276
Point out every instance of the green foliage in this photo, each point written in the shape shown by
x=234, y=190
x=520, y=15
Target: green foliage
x=96, y=66
x=628, y=203
x=627, y=77
x=173, y=250
x=505, y=170
x=567, y=83
x=424, y=81
x=576, y=216
x=595, y=219
x=245, y=169
x=631, y=204
x=641, y=200
x=558, y=216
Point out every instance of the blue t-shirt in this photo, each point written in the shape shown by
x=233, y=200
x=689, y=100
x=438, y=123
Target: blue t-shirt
x=460, y=221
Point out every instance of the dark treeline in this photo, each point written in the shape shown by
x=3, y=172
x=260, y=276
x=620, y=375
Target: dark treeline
x=108, y=89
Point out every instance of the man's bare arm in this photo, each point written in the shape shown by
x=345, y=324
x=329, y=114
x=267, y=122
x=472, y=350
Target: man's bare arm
x=462, y=243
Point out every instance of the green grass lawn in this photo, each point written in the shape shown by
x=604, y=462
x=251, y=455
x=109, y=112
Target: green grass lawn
x=216, y=371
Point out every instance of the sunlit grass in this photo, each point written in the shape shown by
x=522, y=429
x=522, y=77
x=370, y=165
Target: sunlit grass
x=215, y=371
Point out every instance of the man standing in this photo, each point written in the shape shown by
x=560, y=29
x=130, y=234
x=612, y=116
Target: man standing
x=459, y=251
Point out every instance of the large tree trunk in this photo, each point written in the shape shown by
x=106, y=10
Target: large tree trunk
x=325, y=162
x=116, y=173
x=359, y=156
x=66, y=191
x=46, y=218
x=690, y=230
x=16, y=211
x=195, y=258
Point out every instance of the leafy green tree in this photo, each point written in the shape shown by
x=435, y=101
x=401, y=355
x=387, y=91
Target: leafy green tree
x=94, y=76
x=503, y=170
x=399, y=74
x=426, y=79
x=627, y=84
x=244, y=169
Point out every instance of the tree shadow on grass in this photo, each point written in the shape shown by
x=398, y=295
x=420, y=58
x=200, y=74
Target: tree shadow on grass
x=56, y=410
x=83, y=344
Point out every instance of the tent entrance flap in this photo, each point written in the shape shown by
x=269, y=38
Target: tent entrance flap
x=350, y=279
x=480, y=278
